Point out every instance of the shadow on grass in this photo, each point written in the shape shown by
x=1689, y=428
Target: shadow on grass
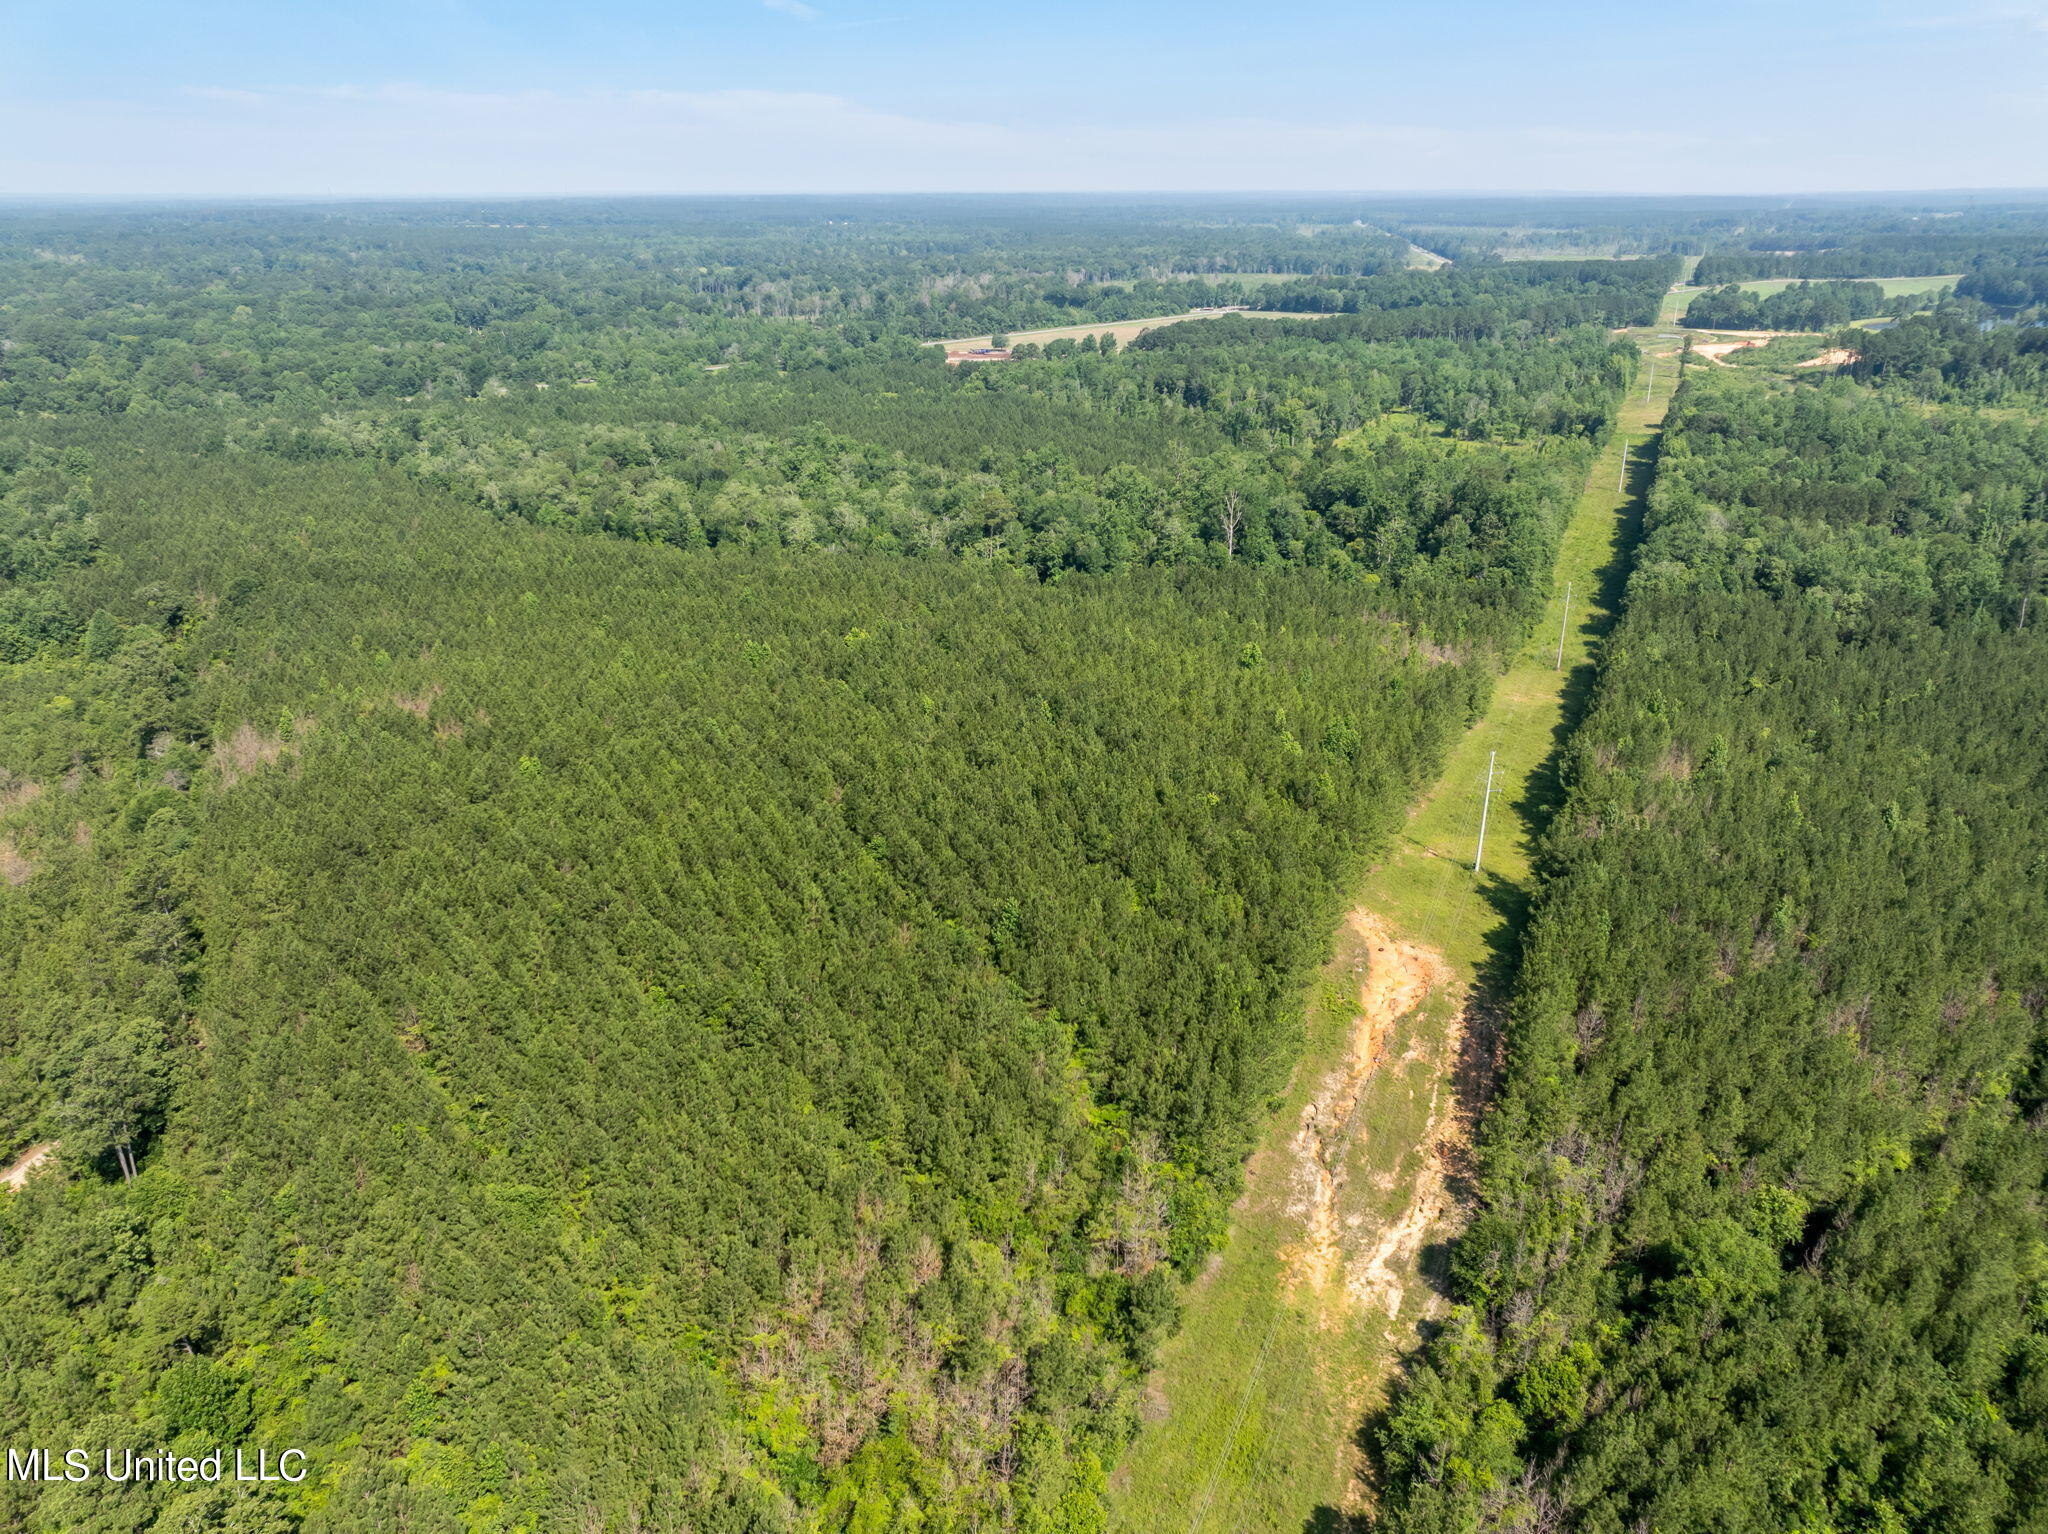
x=1543, y=794
x=1481, y=1043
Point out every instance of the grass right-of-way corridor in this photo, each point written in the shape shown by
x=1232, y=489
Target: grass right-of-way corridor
x=1253, y=1420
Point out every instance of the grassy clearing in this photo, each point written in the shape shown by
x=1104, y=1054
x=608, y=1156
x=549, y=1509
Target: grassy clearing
x=1427, y=886
x=1253, y=1416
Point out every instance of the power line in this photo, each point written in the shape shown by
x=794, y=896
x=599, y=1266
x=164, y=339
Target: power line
x=1485, y=804
x=1244, y=1405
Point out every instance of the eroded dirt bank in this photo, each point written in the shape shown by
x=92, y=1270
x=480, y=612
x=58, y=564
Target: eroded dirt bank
x=1344, y=1248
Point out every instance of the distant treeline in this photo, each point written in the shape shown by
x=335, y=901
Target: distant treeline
x=1910, y=255
x=1803, y=306
x=108, y=311
x=1952, y=354
x=1547, y=294
x=2010, y=287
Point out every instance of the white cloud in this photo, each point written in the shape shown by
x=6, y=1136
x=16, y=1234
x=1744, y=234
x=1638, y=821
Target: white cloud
x=358, y=140
x=793, y=8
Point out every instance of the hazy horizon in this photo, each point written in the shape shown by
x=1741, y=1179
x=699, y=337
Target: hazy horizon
x=1819, y=196
x=773, y=97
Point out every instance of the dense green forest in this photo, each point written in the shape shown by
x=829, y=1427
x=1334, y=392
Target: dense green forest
x=788, y=1002
x=2019, y=285
x=117, y=312
x=698, y=948
x=1954, y=353
x=1404, y=463
x=626, y=902
x=1760, y=1239
x=1548, y=294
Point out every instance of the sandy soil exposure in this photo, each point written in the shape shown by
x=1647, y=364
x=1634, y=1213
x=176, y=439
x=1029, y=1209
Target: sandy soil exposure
x=13, y=1177
x=1399, y=978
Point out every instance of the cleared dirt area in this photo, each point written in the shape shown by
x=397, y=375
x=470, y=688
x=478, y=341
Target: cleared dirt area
x=1754, y=335
x=1716, y=351
x=1125, y=331
x=1835, y=358
x=14, y=1176
x=1399, y=978
x=1718, y=348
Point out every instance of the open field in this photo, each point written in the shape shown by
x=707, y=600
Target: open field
x=1252, y=1420
x=1125, y=331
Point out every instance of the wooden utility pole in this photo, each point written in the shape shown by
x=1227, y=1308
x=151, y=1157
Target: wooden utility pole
x=1484, y=805
x=1621, y=475
x=1564, y=619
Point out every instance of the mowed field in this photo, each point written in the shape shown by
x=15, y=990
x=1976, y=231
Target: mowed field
x=1125, y=331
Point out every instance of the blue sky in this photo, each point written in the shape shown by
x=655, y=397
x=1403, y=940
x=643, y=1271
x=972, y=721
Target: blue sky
x=433, y=97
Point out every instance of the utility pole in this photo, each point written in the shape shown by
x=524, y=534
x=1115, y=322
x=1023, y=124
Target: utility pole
x=1653, y=379
x=1484, y=805
x=1621, y=476
x=1563, y=619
